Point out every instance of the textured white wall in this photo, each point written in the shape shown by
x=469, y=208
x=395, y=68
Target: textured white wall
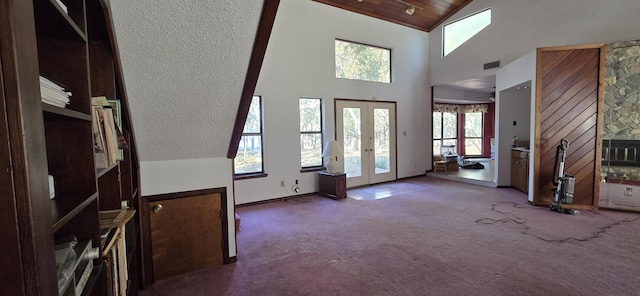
x=300, y=63
x=519, y=26
x=184, y=64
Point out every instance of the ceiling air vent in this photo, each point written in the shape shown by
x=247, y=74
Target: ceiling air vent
x=492, y=65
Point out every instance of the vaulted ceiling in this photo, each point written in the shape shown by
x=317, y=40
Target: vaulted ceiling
x=424, y=15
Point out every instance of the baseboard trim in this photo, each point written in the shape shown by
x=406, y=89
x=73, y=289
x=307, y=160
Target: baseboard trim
x=231, y=260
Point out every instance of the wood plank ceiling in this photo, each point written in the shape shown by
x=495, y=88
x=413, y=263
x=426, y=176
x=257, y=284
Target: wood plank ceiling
x=426, y=16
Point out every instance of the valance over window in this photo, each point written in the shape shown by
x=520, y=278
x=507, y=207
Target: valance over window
x=453, y=108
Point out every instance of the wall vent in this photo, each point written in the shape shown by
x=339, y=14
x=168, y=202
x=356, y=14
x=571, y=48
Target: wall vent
x=492, y=65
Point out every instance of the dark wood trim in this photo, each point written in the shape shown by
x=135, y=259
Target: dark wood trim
x=18, y=51
x=13, y=277
x=145, y=227
x=537, y=200
x=267, y=18
x=250, y=176
x=448, y=15
x=361, y=100
x=599, y=126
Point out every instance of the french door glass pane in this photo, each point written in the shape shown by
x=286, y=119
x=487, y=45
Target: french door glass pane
x=311, y=150
x=450, y=125
x=381, y=140
x=249, y=156
x=351, y=118
x=473, y=146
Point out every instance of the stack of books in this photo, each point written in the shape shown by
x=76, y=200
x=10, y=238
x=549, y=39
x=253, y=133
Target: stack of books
x=53, y=94
x=107, y=135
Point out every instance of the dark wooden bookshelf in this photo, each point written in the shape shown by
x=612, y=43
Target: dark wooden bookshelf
x=77, y=50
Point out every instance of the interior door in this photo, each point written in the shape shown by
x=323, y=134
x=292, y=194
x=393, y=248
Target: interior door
x=367, y=133
x=186, y=234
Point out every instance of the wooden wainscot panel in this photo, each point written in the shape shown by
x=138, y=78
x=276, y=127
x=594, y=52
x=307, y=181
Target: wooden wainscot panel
x=569, y=105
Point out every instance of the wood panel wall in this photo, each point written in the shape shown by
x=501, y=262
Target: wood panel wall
x=569, y=105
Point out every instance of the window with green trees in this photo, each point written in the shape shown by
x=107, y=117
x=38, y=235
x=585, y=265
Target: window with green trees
x=458, y=32
x=310, y=133
x=445, y=130
x=249, y=156
x=473, y=134
x=362, y=62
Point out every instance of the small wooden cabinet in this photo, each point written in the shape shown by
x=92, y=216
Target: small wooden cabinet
x=332, y=185
x=520, y=170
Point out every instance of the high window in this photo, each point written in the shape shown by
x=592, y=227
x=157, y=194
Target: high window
x=249, y=156
x=362, y=62
x=458, y=32
x=445, y=130
x=310, y=133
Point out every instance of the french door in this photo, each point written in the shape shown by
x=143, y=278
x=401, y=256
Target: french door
x=367, y=133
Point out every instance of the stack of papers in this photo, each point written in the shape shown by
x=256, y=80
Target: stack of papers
x=53, y=94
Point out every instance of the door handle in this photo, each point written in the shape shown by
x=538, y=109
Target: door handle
x=157, y=208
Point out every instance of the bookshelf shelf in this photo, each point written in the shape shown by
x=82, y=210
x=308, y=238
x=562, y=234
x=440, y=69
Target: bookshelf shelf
x=61, y=113
x=64, y=210
x=106, y=170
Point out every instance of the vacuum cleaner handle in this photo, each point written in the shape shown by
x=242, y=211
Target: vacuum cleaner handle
x=554, y=178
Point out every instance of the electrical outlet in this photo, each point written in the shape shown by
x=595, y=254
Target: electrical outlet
x=282, y=183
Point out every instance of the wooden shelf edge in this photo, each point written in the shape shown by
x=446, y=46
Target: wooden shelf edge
x=72, y=211
x=65, y=112
x=101, y=171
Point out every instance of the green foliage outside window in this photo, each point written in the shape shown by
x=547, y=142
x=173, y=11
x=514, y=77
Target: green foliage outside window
x=362, y=62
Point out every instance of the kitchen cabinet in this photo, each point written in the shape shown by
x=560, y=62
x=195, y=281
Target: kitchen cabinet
x=520, y=169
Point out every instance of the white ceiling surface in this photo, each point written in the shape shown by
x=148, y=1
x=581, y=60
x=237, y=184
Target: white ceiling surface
x=184, y=64
x=471, y=91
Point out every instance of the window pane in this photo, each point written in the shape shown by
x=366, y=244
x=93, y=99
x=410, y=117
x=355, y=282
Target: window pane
x=450, y=122
x=310, y=119
x=458, y=32
x=436, y=147
x=473, y=146
x=449, y=143
x=473, y=125
x=249, y=156
x=311, y=150
x=252, y=125
x=437, y=125
x=362, y=62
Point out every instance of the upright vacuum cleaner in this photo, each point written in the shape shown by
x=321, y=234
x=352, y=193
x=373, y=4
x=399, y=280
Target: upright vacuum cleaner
x=565, y=184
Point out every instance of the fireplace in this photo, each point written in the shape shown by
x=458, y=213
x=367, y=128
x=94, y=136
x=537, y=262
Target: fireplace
x=621, y=153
